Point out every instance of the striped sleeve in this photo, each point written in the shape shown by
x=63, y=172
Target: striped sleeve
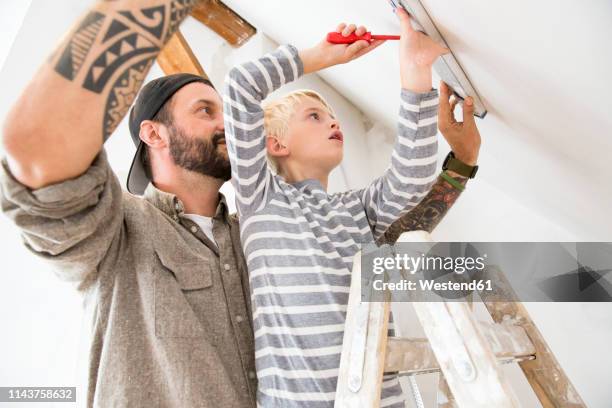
x=411, y=173
x=246, y=85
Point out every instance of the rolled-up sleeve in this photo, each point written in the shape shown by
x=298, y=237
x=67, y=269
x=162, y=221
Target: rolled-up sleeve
x=72, y=224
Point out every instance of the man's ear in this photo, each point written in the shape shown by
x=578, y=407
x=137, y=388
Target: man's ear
x=276, y=148
x=152, y=134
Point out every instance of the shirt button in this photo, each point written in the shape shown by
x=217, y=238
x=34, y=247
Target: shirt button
x=239, y=318
x=252, y=375
x=227, y=267
x=194, y=229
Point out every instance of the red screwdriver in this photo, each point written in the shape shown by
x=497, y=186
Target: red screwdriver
x=338, y=38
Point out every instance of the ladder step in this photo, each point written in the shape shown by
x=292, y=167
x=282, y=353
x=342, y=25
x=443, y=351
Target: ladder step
x=510, y=343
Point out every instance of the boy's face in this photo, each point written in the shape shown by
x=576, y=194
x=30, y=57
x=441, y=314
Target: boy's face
x=314, y=137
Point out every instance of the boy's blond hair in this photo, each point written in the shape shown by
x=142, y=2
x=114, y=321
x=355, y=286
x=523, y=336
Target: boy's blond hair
x=277, y=115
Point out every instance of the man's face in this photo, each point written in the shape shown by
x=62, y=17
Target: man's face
x=196, y=136
x=314, y=136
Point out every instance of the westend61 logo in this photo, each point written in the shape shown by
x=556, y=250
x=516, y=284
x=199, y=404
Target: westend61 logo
x=426, y=263
x=435, y=272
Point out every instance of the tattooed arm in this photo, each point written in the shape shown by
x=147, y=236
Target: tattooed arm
x=464, y=140
x=428, y=213
x=77, y=99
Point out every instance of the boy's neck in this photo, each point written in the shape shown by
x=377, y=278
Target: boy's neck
x=295, y=174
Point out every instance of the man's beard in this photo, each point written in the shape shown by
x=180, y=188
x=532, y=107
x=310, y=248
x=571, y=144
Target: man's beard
x=200, y=156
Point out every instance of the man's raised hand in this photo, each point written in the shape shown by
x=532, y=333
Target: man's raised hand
x=463, y=137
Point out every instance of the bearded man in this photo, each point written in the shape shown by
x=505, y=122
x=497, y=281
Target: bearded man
x=163, y=275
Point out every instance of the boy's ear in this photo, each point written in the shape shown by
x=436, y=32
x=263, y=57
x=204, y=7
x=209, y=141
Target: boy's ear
x=276, y=148
x=152, y=134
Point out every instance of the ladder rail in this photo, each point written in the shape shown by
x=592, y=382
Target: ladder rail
x=549, y=381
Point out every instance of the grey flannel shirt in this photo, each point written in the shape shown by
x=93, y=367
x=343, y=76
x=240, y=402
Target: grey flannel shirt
x=170, y=312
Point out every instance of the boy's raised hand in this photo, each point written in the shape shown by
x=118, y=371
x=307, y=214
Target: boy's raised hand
x=325, y=54
x=417, y=54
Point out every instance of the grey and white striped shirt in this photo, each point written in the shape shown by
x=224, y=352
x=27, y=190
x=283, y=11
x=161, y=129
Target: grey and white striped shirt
x=299, y=241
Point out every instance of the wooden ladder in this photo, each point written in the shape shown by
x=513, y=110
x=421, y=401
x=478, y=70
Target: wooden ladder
x=468, y=353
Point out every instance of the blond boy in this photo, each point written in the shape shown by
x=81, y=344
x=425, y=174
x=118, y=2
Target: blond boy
x=299, y=241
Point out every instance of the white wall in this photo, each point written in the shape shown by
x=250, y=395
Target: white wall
x=11, y=16
x=485, y=212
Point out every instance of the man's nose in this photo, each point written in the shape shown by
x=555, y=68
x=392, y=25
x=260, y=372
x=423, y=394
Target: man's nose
x=335, y=124
x=221, y=125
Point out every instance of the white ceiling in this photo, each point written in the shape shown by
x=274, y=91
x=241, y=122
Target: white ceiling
x=543, y=69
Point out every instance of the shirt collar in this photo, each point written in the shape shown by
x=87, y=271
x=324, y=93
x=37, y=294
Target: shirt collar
x=172, y=206
x=314, y=184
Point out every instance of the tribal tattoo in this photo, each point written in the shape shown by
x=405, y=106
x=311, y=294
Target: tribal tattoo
x=110, y=52
x=428, y=213
x=79, y=45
